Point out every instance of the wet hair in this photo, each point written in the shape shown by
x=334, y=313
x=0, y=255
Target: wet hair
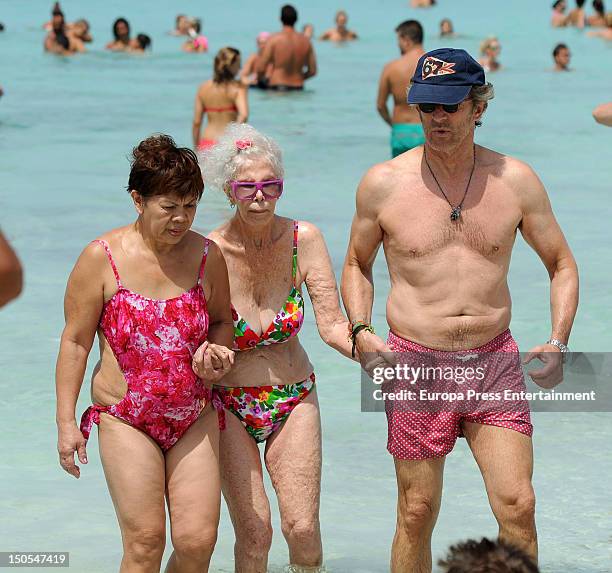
x=412, y=30
x=486, y=556
x=116, y=25
x=62, y=39
x=144, y=41
x=222, y=162
x=1, y=27
x=159, y=167
x=558, y=3
x=289, y=15
x=558, y=48
x=580, y=3
x=60, y=31
x=224, y=61
x=599, y=7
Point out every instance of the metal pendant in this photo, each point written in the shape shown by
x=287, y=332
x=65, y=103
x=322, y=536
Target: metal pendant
x=455, y=213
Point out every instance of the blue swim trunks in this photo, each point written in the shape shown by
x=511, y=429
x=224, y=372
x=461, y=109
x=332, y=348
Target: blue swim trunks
x=405, y=136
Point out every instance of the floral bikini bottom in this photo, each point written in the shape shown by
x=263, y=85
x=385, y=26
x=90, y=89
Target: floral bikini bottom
x=262, y=409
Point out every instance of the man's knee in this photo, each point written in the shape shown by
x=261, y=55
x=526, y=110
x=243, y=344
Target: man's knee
x=516, y=507
x=416, y=515
x=195, y=545
x=145, y=545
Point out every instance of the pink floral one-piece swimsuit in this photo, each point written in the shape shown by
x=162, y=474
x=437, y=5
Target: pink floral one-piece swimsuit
x=154, y=342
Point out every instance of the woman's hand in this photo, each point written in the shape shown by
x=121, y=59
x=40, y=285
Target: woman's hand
x=71, y=440
x=212, y=361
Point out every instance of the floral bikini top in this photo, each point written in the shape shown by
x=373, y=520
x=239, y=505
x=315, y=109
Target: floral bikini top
x=286, y=323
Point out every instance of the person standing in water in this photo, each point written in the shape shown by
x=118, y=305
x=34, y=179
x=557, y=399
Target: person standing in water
x=340, y=33
x=249, y=75
x=406, y=130
x=223, y=100
x=448, y=214
x=291, y=55
x=121, y=32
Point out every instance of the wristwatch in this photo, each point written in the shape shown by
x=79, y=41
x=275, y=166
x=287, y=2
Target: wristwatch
x=562, y=347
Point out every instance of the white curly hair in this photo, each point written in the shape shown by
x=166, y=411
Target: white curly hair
x=240, y=146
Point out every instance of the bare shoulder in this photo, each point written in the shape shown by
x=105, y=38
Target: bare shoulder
x=515, y=173
x=204, y=86
x=309, y=234
x=218, y=235
x=213, y=252
x=376, y=186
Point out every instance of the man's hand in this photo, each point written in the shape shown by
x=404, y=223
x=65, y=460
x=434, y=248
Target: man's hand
x=373, y=352
x=552, y=373
x=211, y=362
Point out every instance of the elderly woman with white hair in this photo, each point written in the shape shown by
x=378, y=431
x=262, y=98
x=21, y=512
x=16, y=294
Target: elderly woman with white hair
x=271, y=391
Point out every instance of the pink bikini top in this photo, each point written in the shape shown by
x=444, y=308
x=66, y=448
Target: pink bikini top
x=154, y=340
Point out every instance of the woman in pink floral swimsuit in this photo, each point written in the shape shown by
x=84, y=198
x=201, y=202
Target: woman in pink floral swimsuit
x=270, y=395
x=157, y=294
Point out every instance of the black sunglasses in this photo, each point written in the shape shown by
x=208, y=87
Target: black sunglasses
x=429, y=107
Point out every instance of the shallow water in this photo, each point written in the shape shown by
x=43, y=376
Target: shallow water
x=66, y=128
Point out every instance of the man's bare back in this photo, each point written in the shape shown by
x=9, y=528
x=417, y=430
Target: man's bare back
x=395, y=80
x=292, y=57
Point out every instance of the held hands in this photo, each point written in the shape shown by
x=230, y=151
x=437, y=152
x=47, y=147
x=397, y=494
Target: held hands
x=71, y=440
x=212, y=361
x=373, y=352
x=552, y=373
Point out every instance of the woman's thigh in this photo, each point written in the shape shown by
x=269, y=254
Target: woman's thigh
x=242, y=476
x=192, y=477
x=293, y=459
x=134, y=467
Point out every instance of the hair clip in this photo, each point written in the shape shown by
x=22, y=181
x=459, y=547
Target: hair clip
x=242, y=144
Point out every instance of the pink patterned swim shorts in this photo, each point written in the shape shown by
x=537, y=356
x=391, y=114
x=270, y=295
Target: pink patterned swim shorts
x=420, y=431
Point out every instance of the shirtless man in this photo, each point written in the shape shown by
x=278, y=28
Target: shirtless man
x=291, y=55
x=406, y=129
x=340, y=33
x=447, y=215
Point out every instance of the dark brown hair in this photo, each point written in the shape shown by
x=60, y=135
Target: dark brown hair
x=224, y=60
x=159, y=167
x=486, y=556
x=412, y=30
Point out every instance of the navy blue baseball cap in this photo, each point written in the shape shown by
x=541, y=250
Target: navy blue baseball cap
x=445, y=76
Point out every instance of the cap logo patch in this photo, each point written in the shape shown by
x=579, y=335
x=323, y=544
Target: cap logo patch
x=434, y=67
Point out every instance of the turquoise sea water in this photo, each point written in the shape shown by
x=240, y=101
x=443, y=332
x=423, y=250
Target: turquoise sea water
x=66, y=128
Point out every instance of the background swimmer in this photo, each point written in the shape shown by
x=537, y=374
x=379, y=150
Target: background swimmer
x=561, y=56
x=340, y=33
